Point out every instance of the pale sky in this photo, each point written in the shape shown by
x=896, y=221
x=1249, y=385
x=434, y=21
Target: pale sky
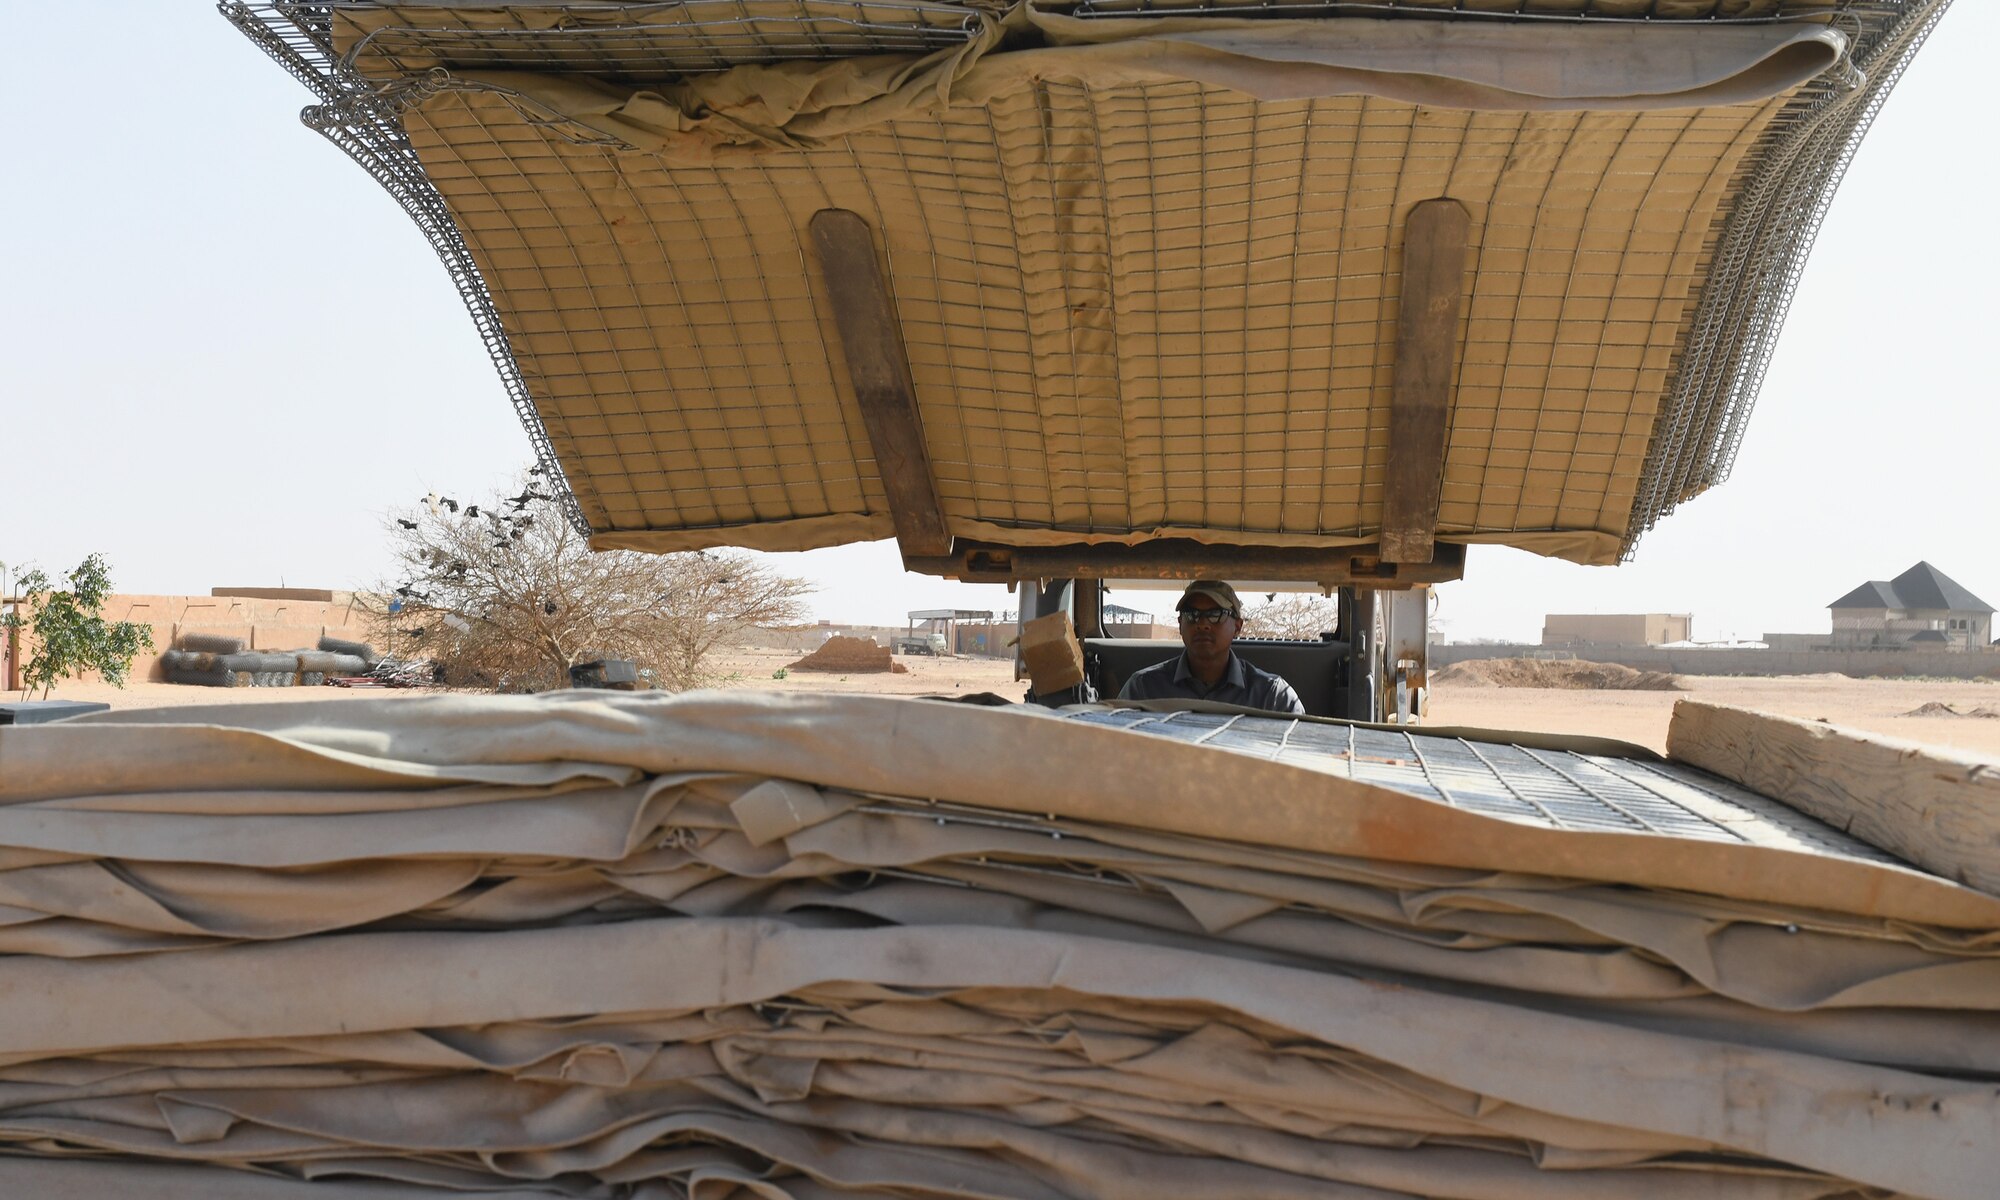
x=225, y=353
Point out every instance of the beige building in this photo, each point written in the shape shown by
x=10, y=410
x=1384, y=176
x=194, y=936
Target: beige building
x=1921, y=609
x=1122, y=622
x=1615, y=629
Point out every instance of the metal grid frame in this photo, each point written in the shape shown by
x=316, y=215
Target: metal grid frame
x=654, y=42
x=363, y=117
x=678, y=440
x=1782, y=187
x=1785, y=186
x=1716, y=12
x=364, y=121
x=1556, y=789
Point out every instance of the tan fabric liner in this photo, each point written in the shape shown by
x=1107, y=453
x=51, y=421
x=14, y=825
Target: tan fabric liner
x=1524, y=67
x=766, y=947
x=1063, y=225
x=1601, y=548
x=879, y=744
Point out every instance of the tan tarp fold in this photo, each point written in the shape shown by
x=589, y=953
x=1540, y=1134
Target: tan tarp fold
x=1579, y=546
x=879, y=744
x=1146, y=267
x=1500, y=68
x=766, y=947
x=1056, y=256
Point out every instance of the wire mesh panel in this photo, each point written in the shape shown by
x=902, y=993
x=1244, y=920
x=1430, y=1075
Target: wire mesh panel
x=639, y=43
x=1783, y=189
x=1507, y=10
x=1557, y=789
x=366, y=126
x=1133, y=309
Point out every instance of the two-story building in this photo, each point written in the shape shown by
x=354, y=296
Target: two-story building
x=1922, y=608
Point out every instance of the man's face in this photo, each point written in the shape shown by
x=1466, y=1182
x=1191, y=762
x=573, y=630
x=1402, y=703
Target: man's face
x=1205, y=637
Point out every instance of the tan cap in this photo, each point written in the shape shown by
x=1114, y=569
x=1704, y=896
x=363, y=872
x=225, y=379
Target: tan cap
x=1216, y=590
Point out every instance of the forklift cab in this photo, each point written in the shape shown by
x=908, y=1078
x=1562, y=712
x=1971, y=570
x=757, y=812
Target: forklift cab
x=1370, y=666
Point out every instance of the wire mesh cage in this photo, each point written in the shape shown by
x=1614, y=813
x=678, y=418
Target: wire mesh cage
x=648, y=429
x=1706, y=11
x=641, y=43
x=365, y=124
x=1785, y=186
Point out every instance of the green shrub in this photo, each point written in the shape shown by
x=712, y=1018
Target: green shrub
x=70, y=634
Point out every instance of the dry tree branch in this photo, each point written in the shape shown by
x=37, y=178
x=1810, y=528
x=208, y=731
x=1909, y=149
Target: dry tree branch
x=506, y=595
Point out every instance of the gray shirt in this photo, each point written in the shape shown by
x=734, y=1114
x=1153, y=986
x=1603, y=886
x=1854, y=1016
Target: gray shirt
x=1241, y=684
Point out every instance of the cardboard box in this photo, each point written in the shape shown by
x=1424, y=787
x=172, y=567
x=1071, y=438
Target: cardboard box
x=1051, y=653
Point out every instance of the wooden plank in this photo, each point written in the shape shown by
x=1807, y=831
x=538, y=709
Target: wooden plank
x=879, y=368
x=1935, y=807
x=1434, y=239
x=1184, y=558
x=1089, y=608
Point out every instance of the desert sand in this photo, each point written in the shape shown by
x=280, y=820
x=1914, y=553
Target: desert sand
x=1876, y=705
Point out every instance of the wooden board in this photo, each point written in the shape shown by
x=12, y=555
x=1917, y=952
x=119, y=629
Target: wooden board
x=1434, y=239
x=880, y=370
x=1938, y=808
x=1180, y=558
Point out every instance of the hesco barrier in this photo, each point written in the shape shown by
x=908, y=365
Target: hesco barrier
x=1861, y=664
x=805, y=948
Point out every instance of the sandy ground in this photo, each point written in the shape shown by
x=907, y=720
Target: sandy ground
x=1870, y=704
x=927, y=676
x=1641, y=717
x=170, y=695
x=741, y=668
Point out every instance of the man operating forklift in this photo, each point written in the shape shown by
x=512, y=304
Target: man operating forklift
x=1207, y=669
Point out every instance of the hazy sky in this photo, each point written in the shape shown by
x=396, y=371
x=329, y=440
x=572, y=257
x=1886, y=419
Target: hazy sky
x=225, y=353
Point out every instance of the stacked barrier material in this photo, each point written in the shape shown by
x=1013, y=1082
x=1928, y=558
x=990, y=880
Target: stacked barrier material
x=850, y=656
x=204, y=660
x=812, y=947
x=258, y=668
x=1091, y=213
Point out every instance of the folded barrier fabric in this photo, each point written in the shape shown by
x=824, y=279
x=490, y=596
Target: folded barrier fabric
x=732, y=945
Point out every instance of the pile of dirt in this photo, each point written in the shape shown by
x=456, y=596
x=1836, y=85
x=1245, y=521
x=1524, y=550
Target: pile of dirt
x=850, y=656
x=1936, y=708
x=1566, y=673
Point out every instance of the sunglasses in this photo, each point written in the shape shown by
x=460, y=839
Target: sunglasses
x=1210, y=616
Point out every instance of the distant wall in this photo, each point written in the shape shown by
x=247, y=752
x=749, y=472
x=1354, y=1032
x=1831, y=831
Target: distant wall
x=1141, y=629
x=985, y=639
x=263, y=624
x=1871, y=627
x=805, y=638
x=1858, y=663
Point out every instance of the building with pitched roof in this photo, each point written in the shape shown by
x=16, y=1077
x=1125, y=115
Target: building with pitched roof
x=1923, y=608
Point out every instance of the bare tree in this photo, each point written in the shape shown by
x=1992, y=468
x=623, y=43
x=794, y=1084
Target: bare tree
x=1297, y=615
x=508, y=595
x=710, y=597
